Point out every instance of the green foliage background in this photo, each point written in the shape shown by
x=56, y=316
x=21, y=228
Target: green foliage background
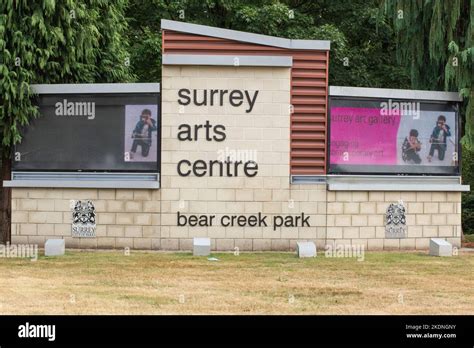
x=56, y=41
x=468, y=197
x=435, y=40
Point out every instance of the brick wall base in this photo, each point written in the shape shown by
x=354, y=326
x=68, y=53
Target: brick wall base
x=140, y=219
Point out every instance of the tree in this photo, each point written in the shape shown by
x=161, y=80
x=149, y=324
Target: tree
x=53, y=41
x=369, y=51
x=435, y=39
x=353, y=28
x=267, y=17
x=468, y=197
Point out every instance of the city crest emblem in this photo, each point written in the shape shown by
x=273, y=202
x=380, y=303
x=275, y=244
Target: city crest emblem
x=395, y=226
x=83, y=219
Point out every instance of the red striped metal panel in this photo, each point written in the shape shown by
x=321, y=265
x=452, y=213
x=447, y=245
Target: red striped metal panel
x=309, y=92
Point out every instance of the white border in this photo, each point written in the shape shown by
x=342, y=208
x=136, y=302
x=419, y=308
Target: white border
x=363, y=92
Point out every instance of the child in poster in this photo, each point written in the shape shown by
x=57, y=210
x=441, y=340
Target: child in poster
x=438, y=138
x=410, y=148
x=142, y=133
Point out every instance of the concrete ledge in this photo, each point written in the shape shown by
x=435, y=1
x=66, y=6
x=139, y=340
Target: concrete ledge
x=383, y=182
x=398, y=187
x=231, y=60
x=84, y=180
x=307, y=179
x=83, y=184
x=96, y=88
x=362, y=92
x=395, y=183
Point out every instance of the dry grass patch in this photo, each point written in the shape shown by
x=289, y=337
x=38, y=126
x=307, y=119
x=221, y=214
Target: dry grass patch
x=255, y=283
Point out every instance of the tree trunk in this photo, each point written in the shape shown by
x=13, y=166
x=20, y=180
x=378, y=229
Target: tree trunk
x=5, y=201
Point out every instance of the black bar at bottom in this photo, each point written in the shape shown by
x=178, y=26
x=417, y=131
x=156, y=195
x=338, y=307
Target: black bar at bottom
x=447, y=331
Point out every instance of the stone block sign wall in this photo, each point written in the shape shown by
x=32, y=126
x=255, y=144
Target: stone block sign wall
x=241, y=164
x=260, y=134
x=358, y=217
x=125, y=218
x=352, y=217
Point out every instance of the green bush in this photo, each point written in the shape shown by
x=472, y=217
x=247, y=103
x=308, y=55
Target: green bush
x=468, y=197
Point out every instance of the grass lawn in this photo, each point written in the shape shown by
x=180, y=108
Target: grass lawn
x=108, y=282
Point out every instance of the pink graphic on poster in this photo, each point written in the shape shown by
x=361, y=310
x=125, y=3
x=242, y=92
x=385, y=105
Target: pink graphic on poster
x=363, y=136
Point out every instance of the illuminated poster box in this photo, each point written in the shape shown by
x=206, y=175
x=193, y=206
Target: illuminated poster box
x=84, y=131
x=376, y=135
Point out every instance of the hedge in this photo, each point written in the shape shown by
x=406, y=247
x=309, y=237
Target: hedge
x=468, y=197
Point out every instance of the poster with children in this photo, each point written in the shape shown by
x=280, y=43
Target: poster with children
x=387, y=136
x=92, y=132
x=141, y=128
